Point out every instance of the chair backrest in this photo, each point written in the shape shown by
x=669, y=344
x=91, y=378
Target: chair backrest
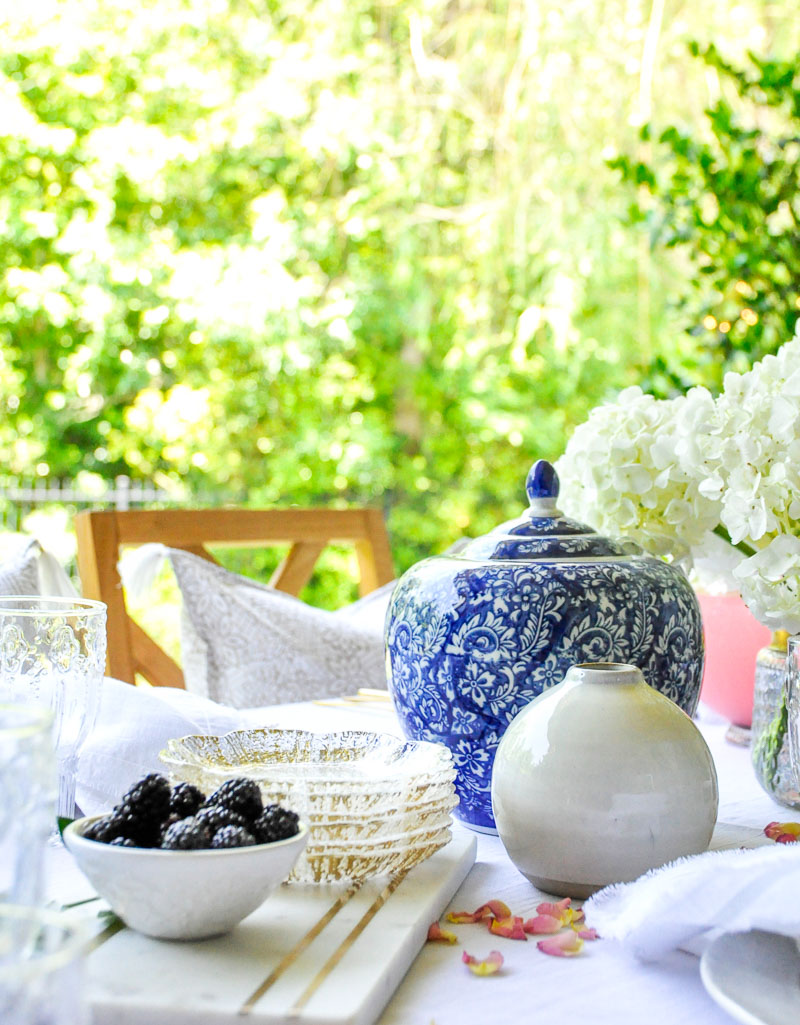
x=102, y=535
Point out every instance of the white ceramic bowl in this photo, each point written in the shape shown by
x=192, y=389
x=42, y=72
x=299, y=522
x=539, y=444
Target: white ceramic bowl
x=183, y=895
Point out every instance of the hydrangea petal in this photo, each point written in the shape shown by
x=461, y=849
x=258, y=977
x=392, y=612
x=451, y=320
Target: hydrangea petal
x=488, y=966
x=542, y=924
x=565, y=944
x=510, y=927
x=436, y=934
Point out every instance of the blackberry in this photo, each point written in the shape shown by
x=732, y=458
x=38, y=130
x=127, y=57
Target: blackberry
x=215, y=816
x=104, y=829
x=232, y=836
x=144, y=830
x=240, y=795
x=185, y=800
x=172, y=818
x=186, y=835
x=148, y=799
x=122, y=841
x=275, y=823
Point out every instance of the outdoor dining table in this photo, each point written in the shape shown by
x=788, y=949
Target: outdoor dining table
x=603, y=984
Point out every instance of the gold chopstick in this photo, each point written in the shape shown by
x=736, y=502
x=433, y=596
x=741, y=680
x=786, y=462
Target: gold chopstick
x=346, y=944
x=288, y=959
x=365, y=696
x=110, y=930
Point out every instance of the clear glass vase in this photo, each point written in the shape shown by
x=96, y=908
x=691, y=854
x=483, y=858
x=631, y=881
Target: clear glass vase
x=770, y=751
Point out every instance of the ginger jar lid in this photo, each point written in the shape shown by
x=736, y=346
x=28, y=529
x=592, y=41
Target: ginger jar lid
x=543, y=532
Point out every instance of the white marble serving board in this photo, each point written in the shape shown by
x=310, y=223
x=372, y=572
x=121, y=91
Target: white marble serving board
x=134, y=980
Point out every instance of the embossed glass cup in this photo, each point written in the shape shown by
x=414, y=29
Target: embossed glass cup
x=27, y=799
x=41, y=968
x=52, y=653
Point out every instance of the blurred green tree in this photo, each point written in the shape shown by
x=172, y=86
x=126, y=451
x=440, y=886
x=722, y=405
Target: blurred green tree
x=326, y=252
x=728, y=199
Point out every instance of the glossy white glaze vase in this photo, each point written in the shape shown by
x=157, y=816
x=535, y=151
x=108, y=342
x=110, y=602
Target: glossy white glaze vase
x=600, y=779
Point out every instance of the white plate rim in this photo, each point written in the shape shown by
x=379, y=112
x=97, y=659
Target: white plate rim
x=715, y=987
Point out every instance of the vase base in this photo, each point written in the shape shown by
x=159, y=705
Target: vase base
x=559, y=888
x=739, y=735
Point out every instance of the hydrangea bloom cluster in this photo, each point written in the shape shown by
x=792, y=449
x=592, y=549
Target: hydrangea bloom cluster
x=669, y=472
x=636, y=468
x=759, y=471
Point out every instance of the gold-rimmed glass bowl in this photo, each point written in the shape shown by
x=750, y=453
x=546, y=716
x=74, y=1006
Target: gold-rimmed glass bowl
x=374, y=803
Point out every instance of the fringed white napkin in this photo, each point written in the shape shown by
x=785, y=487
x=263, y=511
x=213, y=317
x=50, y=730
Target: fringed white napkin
x=52, y=578
x=686, y=903
x=138, y=569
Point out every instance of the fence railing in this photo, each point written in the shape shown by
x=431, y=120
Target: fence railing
x=18, y=497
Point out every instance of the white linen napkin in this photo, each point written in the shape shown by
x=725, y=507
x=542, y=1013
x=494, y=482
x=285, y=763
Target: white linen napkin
x=688, y=902
x=134, y=724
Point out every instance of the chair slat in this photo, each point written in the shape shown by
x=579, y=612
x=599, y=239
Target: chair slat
x=295, y=570
x=101, y=535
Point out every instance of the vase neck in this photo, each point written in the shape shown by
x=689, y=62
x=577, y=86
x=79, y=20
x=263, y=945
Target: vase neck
x=779, y=640
x=605, y=673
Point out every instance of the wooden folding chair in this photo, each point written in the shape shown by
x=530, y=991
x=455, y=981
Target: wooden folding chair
x=102, y=535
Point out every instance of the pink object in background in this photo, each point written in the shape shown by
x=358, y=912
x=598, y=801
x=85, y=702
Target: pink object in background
x=733, y=639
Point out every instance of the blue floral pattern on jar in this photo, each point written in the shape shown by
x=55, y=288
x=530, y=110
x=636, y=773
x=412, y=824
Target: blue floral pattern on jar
x=470, y=643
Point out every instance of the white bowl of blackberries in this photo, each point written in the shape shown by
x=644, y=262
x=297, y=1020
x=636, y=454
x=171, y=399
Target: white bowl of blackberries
x=176, y=864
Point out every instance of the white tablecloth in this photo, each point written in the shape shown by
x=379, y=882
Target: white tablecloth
x=602, y=986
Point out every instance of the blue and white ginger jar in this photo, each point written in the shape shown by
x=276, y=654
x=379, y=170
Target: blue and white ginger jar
x=474, y=636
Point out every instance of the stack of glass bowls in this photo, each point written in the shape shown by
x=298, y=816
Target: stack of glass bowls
x=374, y=804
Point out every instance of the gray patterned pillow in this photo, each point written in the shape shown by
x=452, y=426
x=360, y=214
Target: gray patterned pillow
x=245, y=644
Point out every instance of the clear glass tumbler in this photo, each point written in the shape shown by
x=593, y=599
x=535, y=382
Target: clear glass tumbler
x=41, y=968
x=52, y=653
x=28, y=785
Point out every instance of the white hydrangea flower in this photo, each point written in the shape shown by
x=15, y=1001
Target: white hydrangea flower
x=759, y=448
x=636, y=467
x=667, y=473
x=770, y=583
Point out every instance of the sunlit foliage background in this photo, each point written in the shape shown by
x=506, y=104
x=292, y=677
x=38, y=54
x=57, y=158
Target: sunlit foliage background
x=347, y=251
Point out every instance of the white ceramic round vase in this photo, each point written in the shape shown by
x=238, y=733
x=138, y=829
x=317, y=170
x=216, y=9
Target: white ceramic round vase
x=600, y=779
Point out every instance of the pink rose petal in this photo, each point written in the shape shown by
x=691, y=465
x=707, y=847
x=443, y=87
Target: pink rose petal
x=566, y=944
x=556, y=910
x=562, y=910
x=436, y=934
x=541, y=924
x=489, y=966
x=510, y=927
x=491, y=909
x=588, y=934
x=777, y=830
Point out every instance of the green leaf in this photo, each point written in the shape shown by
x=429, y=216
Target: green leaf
x=62, y=824
x=769, y=744
x=110, y=918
